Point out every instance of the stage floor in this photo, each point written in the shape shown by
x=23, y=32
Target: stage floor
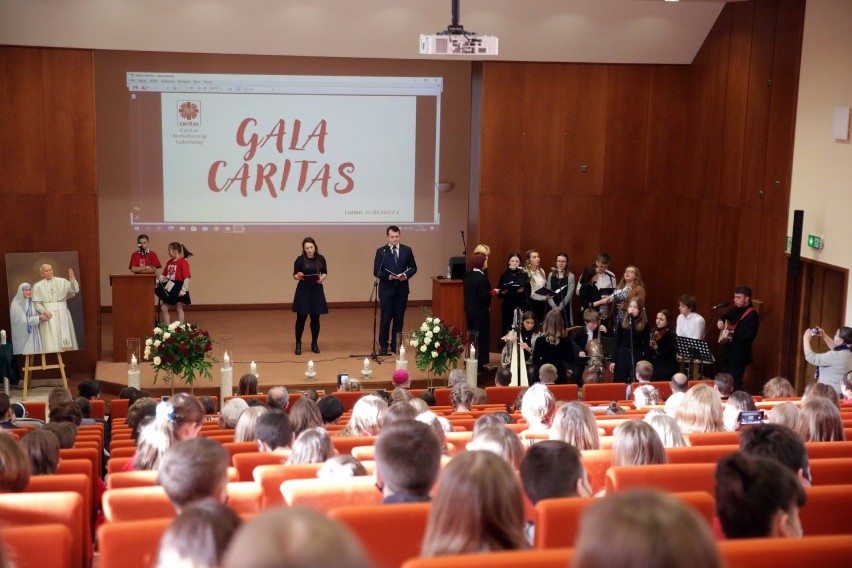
x=267, y=338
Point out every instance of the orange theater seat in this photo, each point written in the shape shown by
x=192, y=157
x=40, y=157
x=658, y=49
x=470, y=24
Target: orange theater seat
x=270, y=478
x=552, y=558
x=348, y=399
x=345, y=445
x=666, y=477
x=137, y=504
x=699, y=454
x=235, y=448
x=780, y=552
x=64, y=507
x=98, y=408
x=831, y=471
x=713, y=439
x=372, y=524
x=323, y=495
x=124, y=479
x=503, y=395
x=828, y=510
x=596, y=463
x=118, y=408
x=27, y=545
x=442, y=396
x=822, y=450
x=604, y=392
x=132, y=544
x=564, y=392
x=36, y=409
x=246, y=462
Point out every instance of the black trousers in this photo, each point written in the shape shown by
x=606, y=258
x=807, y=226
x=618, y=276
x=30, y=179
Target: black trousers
x=393, y=309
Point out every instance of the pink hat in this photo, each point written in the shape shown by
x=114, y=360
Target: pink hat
x=400, y=377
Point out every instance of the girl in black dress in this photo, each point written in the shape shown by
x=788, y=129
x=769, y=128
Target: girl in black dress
x=631, y=341
x=310, y=269
x=562, y=280
x=663, y=350
x=553, y=347
x=513, y=291
x=590, y=295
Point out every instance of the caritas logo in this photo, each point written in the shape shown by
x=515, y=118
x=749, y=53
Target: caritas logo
x=189, y=113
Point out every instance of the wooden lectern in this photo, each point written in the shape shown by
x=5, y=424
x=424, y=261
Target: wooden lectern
x=132, y=310
x=448, y=302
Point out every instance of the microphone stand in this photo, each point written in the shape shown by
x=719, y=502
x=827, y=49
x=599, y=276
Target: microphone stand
x=464, y=245
x=374, y=298
x=632, y=376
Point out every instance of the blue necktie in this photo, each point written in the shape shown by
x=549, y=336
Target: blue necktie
x=396, y=256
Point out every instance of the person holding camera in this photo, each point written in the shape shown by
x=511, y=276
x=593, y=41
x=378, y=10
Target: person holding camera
x=833, y=364
x=143, y=260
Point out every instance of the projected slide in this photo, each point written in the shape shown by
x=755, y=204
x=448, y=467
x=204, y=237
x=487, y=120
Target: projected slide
x=245, y=152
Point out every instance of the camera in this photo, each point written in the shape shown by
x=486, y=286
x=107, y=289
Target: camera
x=750, y=417
x=814, y=331
x=165, y=398
x=342, y=379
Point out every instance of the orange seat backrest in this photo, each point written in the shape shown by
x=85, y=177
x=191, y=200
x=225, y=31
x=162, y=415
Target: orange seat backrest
x=362, y=453
x=502, y=395
x=345, y=445
x=137, y=504
x=131, y=544
x=776, y=552
x=372, y=524
x=713, y=439
x=596, y=462
x=124, y=479
x=699, y=454
x=270, y=478
x=663, y=387
x=63, y=507
x=90, y=454
x=348, y=399
x=118, y=408
x=442, y=396
x=323, y=495
x=459, y=439
x=36, y=409
x=98, y=408
x=27, y=545
x=828, y=510
x=564, y=392
x=667, y=477
x=822, y=450
x=246, y=462
x=62, y=483
x=235, y=448
x=831, y=471
x=604, y=391
x=116, y=464
x=121, y=443
x=551, y=558
x=123, y=452
x=244, y=497
x=610, y=424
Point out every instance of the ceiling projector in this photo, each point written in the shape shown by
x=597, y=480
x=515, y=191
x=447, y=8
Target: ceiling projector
x=456, y=41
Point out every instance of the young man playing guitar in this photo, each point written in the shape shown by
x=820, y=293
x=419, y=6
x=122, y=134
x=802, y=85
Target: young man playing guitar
x=739, y=331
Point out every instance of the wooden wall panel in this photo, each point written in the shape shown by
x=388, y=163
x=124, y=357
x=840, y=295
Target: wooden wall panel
x=668, y=117
x=502, y=129
x=585, y=128
x=48, y=192
x=544, y=138
x=627, y=129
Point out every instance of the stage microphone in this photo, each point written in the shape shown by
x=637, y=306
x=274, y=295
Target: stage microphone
x=141, y=249
x=722, y=305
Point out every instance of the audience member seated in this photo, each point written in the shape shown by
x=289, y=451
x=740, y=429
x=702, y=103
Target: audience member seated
x=538, y=407
x=273, y=432
x=14, y=465
x=6, y=415
x=519, y=400
x=418, y=404
x=247, y=385
x=401, y=411
x=311, y=394
x=245, y=429
x=679, y=385
x=739, y=401
x=305, y=414
x=501, y=441
x=352, y=385
x=503, y=377
x=548, y=374
x=90, y=389
x=400, y=395
x=138, y=413
x=757, y=497
x=492, y=517
x=820, y=389
x=781, y=444
x=644, y=529
x=294, y=537
x=331, y=409
x=65, y=412
x=230, y=413
x=487, y=420
x=614, y=410
x=456, y=377
x=194, y=470
x=57, y=396
x=127, y=393
x=367, y=417
x=820, y=421
x=341, y=467
x=574, y=423
x=700, y=411
x=644, y=371
x=277, y=397
x=198, y=537
x=461, y=397
x=408, y=459
x=208, y=404
x=666, y=428
x=401, y=379
x=65, y=432
x=42, y=449
x=787, y=414
x=85, y=408
x=480, y=396
x=778, y=387
x=552, y=469
x=635, y=442
x=846, y=388
x=428, y=397
x=646, y=395
x=311, y=446
x=438, y=425
x=724, y=384
x=176, y=420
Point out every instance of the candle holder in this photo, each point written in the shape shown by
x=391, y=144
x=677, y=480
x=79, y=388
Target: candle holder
x=134, y=354
x=310, y=373
x=226, y=350
x=471, y=363
x=366, y=371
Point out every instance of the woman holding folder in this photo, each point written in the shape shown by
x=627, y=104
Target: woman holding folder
x=310, y=269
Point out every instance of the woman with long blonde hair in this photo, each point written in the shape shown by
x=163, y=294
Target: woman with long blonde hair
x=700, y=411
x=574, y=423
x=368, y=416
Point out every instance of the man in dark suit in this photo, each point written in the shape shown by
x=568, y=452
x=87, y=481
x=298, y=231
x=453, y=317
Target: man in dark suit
x=393, y=266
x=742, y=324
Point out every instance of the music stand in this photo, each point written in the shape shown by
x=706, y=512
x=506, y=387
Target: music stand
x=694, y=350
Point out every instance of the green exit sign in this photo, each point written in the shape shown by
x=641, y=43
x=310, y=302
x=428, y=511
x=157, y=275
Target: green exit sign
x=814, y=242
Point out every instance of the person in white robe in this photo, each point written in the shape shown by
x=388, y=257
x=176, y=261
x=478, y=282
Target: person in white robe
x=51, y=295
x=25, y=322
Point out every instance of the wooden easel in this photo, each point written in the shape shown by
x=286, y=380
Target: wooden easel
x=28, y=366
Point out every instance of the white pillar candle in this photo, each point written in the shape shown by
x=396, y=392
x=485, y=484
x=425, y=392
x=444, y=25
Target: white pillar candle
x=226, y=383
x=227, y=360
x=402, y=364
x=401, y=353
x=470, y=367
x=366, y=363
x=311, y=365
x=253, y=368
x=133, y=361
x=473, y=352
x=133, y=378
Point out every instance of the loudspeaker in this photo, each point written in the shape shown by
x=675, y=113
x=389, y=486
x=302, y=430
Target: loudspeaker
x=796, y=245
x=458, y=266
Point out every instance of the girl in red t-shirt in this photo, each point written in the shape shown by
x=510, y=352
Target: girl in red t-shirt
x=173, y=287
